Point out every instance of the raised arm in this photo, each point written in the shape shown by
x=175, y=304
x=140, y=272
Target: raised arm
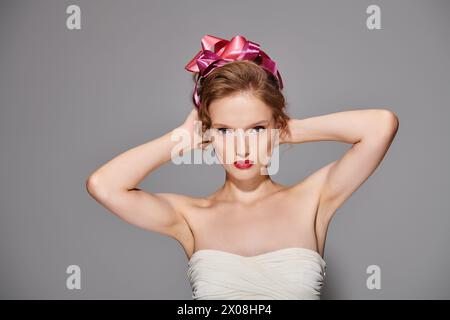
x=115, y=186
x=370, y=131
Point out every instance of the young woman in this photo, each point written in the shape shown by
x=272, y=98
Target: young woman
x=252, y=238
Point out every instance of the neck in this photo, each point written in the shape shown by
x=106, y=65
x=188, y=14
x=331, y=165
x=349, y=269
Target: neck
x=246, y=191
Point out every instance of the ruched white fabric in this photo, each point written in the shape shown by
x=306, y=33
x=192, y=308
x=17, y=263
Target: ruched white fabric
x=285, y=274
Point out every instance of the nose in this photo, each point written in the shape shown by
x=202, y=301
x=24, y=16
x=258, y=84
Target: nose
x=241, y=143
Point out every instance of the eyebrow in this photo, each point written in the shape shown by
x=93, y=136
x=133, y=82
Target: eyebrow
x=250, y=126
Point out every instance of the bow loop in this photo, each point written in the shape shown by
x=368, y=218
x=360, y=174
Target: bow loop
x=217, y=52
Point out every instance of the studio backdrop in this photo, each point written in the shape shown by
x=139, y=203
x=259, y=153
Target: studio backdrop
x=83, y=81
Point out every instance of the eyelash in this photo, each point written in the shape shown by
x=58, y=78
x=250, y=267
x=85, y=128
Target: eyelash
x=262, y=127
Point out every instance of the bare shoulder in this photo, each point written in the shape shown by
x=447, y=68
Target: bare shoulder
x=183, y=203
x=178, y=201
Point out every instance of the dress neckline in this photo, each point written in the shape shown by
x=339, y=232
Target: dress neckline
x=257, y=255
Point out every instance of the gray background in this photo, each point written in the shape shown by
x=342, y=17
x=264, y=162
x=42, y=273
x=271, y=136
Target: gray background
x=73, y=99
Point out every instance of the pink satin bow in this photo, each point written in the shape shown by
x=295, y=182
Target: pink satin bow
x=217, y=52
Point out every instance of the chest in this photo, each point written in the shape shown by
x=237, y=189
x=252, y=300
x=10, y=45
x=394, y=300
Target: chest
x=268, y=225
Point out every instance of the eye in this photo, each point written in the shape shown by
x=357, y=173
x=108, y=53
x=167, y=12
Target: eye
x=257, y=129
x=224, y=130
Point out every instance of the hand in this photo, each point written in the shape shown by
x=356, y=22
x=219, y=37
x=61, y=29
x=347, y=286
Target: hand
x=193, y=126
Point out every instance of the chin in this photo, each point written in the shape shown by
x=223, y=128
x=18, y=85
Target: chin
x=244, y=174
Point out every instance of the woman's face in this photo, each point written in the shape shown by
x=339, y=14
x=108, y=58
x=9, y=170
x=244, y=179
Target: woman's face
x=242, y=128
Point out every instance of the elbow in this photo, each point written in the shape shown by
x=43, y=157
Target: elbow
x=95, y=187
x=388, y=123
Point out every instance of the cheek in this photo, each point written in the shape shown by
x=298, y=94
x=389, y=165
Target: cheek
x=273, y=137
x=266, y=146
x=218, y=143
x=269, y=143
x=219, y=146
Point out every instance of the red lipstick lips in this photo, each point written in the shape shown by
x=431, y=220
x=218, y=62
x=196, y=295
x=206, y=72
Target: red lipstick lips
x=243, y=164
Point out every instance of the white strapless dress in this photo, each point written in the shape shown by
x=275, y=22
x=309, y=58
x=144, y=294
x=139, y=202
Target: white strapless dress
x=285, y=274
